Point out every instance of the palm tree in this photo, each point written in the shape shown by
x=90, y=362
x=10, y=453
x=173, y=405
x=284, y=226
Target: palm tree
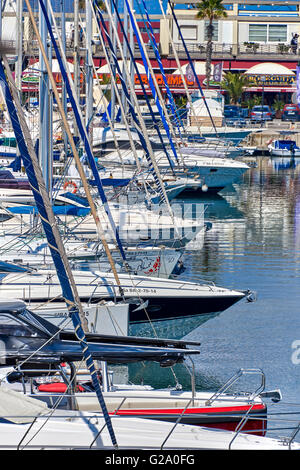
x=210, y=10
x=100, y=4
x=234, y=84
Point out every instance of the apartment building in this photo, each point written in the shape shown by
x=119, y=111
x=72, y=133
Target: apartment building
x=254, y=38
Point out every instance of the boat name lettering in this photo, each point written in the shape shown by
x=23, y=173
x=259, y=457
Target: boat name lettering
x=141, y=289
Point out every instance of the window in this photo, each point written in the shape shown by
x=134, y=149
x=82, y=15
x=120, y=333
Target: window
x=268, y=33
x=215, y=30
x=189, y=32
x=258, y=32
x=277, y=33
x=12, y=327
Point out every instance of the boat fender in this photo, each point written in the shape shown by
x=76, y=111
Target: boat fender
x=71, y=183
x=57, y=387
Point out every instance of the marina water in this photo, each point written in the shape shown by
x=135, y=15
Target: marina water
x=254, y=243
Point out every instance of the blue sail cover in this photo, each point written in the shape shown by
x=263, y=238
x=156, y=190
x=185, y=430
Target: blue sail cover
x=114, y=182
x=57, y=210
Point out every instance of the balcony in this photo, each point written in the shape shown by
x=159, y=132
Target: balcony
x=246, y=50
x=243, y=51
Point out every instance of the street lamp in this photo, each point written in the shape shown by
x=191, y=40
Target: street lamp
x=263, y=80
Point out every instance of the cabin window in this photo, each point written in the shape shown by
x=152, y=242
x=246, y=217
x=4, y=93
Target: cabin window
x=213, y=170
x=13, y=327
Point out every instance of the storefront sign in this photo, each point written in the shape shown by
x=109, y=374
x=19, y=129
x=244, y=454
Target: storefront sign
x=271, y=80
x=174, y=81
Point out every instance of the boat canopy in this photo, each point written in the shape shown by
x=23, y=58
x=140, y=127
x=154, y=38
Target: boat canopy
x=19, y=408
x=285, y=144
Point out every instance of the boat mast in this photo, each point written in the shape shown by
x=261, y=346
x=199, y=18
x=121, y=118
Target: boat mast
x=63, y=85
x=19, y=44
x=45, y=108
x=76, y=57
x=89, y=70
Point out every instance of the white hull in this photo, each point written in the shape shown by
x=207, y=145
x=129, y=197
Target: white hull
x=105, y=318
x=44, y=284
x=160, y=263
x=149, y=297
x=215, y=171
x=70, y=431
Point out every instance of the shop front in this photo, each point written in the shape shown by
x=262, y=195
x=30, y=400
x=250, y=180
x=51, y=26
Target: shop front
x=272, y=81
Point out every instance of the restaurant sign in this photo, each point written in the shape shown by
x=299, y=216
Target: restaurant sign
x=271, y=80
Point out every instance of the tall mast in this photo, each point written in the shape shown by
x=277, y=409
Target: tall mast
x=45, y=108
x=75, y=45
x=19, y=44
x=89, y=69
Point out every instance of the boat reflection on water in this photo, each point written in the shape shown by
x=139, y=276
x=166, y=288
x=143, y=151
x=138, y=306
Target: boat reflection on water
x=175, y=328
x=284, y=163
x=217, y=208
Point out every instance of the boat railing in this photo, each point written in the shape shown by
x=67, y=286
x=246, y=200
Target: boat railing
x=288, y=421
x=277, y=423
x=230, y=382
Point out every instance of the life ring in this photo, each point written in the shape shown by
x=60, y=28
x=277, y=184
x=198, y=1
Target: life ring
x=71, y=183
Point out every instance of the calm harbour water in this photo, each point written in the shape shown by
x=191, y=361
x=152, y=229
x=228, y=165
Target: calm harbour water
x=254, y=243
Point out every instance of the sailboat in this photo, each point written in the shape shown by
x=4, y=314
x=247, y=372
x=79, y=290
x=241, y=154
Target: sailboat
x=26, y=417
x=166, y=299
x=67, y=386
x=26, y=423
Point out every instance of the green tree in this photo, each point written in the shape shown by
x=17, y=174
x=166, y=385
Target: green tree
x=253, y=101
x=234, y=84
x=100, y=4
x=210, y=10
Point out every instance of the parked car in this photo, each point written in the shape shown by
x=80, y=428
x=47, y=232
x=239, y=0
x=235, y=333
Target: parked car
x=261, y=113
x=233, y=115
x=291, y=112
